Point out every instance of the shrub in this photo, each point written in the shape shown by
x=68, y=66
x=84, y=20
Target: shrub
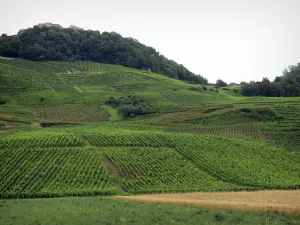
x=260, y=113
x=132, y=110
x=130, y=106
x=198, y=88
x=2, y=101
x=225, y=89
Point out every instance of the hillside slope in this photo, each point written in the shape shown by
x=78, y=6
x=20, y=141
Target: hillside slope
x=84, y=128
x=95, y=83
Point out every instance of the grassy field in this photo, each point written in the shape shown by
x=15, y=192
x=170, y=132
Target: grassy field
x=89, y=210
x=60, y=138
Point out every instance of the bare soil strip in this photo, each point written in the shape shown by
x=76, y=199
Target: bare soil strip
x=271, y=200
x=112, y=172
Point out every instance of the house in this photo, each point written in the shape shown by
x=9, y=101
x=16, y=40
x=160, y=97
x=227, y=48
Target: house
x=49, y=25
x=147, y=70
x=75, y=27
x=233, y=84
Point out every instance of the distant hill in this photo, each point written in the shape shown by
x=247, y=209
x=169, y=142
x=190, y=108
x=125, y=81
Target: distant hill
x=42, y=43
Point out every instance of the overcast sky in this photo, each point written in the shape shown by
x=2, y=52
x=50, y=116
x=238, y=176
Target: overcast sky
x=235, y=40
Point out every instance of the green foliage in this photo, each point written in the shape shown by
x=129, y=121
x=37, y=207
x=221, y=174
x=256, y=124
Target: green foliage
x=58, y=44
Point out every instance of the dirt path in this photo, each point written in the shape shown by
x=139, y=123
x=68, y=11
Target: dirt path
x=271, y=200
x=113, y=172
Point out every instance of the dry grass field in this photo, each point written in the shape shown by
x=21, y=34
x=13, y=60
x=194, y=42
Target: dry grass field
x=271, y=201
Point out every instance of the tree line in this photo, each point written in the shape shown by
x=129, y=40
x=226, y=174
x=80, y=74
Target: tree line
x=287, y=85
x=69, y=44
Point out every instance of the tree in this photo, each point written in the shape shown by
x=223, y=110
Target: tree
x=2, y=101
x=284, y=86
x=221, y=83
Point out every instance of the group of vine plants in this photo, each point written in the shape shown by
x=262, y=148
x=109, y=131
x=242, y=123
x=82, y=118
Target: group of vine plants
x=52, y=172
x=73, y=114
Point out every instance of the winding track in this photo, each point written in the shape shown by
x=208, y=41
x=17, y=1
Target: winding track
x=271, y=200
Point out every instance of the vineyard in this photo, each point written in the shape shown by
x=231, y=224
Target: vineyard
x=59, y=136
x=248, y=131
x=43, y=142
x=147, y=161
x=178, y=101
x=242, y=162
x=73, y=114
x=52, y=172
x=146, y=169
x=288, y=140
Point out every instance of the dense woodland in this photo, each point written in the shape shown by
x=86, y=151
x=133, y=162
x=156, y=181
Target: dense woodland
x=69, y=44
x=288, y=85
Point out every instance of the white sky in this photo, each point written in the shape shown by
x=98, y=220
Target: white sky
x=235, y=40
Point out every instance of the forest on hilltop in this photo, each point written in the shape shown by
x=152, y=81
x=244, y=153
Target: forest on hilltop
x=69, y=44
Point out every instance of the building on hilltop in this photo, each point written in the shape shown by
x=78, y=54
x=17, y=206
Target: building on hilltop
x=49, y=25
x=233, y=84
x=75, y=27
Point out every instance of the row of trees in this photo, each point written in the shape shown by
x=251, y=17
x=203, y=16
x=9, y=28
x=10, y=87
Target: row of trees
x=287, y=85
x=68, y=44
